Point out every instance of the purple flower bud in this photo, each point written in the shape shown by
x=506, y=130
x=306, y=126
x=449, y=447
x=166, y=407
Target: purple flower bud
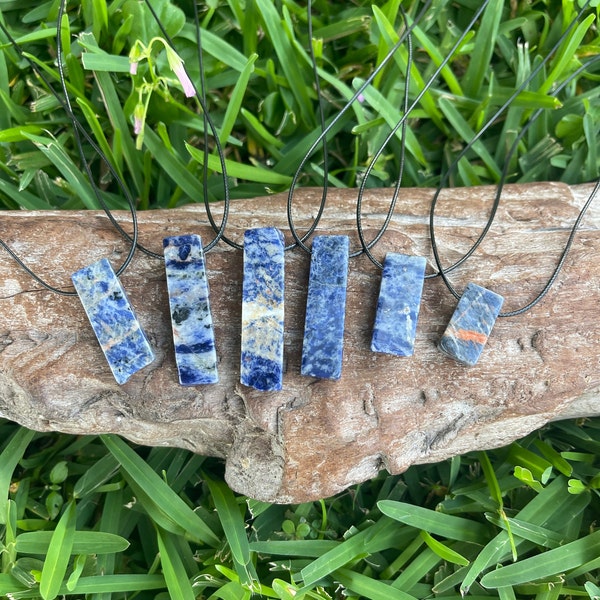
x=133, y=66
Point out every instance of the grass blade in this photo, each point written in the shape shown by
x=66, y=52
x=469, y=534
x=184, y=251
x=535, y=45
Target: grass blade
x=162, y=495
x=235, y=169
x=235, y=100
x=368, y=587
x=235, y=530
x=443, y=551
x=485, y=41
x=362, y=544
x=58, y=554
x=448, y=526
x=84, y=542
x=553, y=562
x=177, y=579
x=10, y=457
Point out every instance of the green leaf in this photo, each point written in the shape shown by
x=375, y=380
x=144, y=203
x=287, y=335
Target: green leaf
x=443, y=551
x=162, y=496
x=9, y=585
x=524, y=475
x=528, y=531
x=306, y=548
x=566, y=54
x=106, y=584
x=80, y=187
x=288, y=59
x=448, y=526
x=485, y=41
x=17, y=134
x=377, y=537
x=102, y=61
x=58, y=554
x=593, y=590
x=367, y=587
x=144, y=27
x=539, y=511
x=234, y=529
x=173, y=166
x=546, y=564
x=467, y=134
x=177, y=579
x=234, y=169
x=236, y=99
x=84, y=542
x=9, y=459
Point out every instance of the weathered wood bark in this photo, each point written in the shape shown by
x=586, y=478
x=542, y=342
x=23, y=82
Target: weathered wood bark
x=315, y=437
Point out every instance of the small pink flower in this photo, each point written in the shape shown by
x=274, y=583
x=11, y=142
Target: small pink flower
x=133, y=66
x=177, y=67
x=138, y=118
x=138, y=123
x=186, y=82
x=361, y=98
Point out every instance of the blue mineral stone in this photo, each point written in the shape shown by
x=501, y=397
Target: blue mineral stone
x=471, y=324
x=119, y=333
x=191, y=320
x=398, y=304
x=262, y=309
x=323, y=345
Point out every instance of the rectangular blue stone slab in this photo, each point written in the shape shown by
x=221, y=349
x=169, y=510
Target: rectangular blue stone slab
x=191, y=321
x=262, y=309
x=471, y=324
x=121, y=338
x=322, y=349
x=398, y=304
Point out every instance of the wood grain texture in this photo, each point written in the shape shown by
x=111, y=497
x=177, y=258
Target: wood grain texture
x=315, y=438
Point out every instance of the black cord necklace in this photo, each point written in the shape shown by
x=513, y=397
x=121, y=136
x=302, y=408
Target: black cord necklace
x=324, y=326
x=104, y=300
x=478, y=307
x=98, y=286
x=322, y=349
x=403, y=275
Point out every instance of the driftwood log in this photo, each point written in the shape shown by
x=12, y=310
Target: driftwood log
x=315, y=438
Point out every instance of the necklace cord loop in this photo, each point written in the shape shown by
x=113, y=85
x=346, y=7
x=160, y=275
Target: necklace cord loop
x=442, y=272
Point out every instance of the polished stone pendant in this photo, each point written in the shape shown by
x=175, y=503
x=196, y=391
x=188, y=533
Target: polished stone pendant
x=471, y=324
x=191, y=320
x=121, y=338
x=262, y=309
x=398, y=304
x=322, y=349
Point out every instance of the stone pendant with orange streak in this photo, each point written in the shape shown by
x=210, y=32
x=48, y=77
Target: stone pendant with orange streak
x=471, y=324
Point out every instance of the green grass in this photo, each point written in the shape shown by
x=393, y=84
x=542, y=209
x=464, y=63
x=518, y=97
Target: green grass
x=95, y=517
x=160, y=523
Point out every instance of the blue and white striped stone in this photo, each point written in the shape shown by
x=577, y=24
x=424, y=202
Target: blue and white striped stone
x=191, y=320
x=471, y=324
x=119, y=333
x=262, y=309
x=398, y=304
x=323, y=346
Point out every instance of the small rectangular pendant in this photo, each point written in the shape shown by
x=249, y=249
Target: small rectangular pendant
x=323, y=345
x=262, y=309
x=119, y=333
x=471, y=324
x=191, y=320
x=398, y=304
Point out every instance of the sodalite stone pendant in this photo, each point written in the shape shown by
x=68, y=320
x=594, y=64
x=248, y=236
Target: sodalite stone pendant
x=262, y=309
x=322, y=349
x=398, y=304
x=471, y=324
x=191, y=320
x=121, y=338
